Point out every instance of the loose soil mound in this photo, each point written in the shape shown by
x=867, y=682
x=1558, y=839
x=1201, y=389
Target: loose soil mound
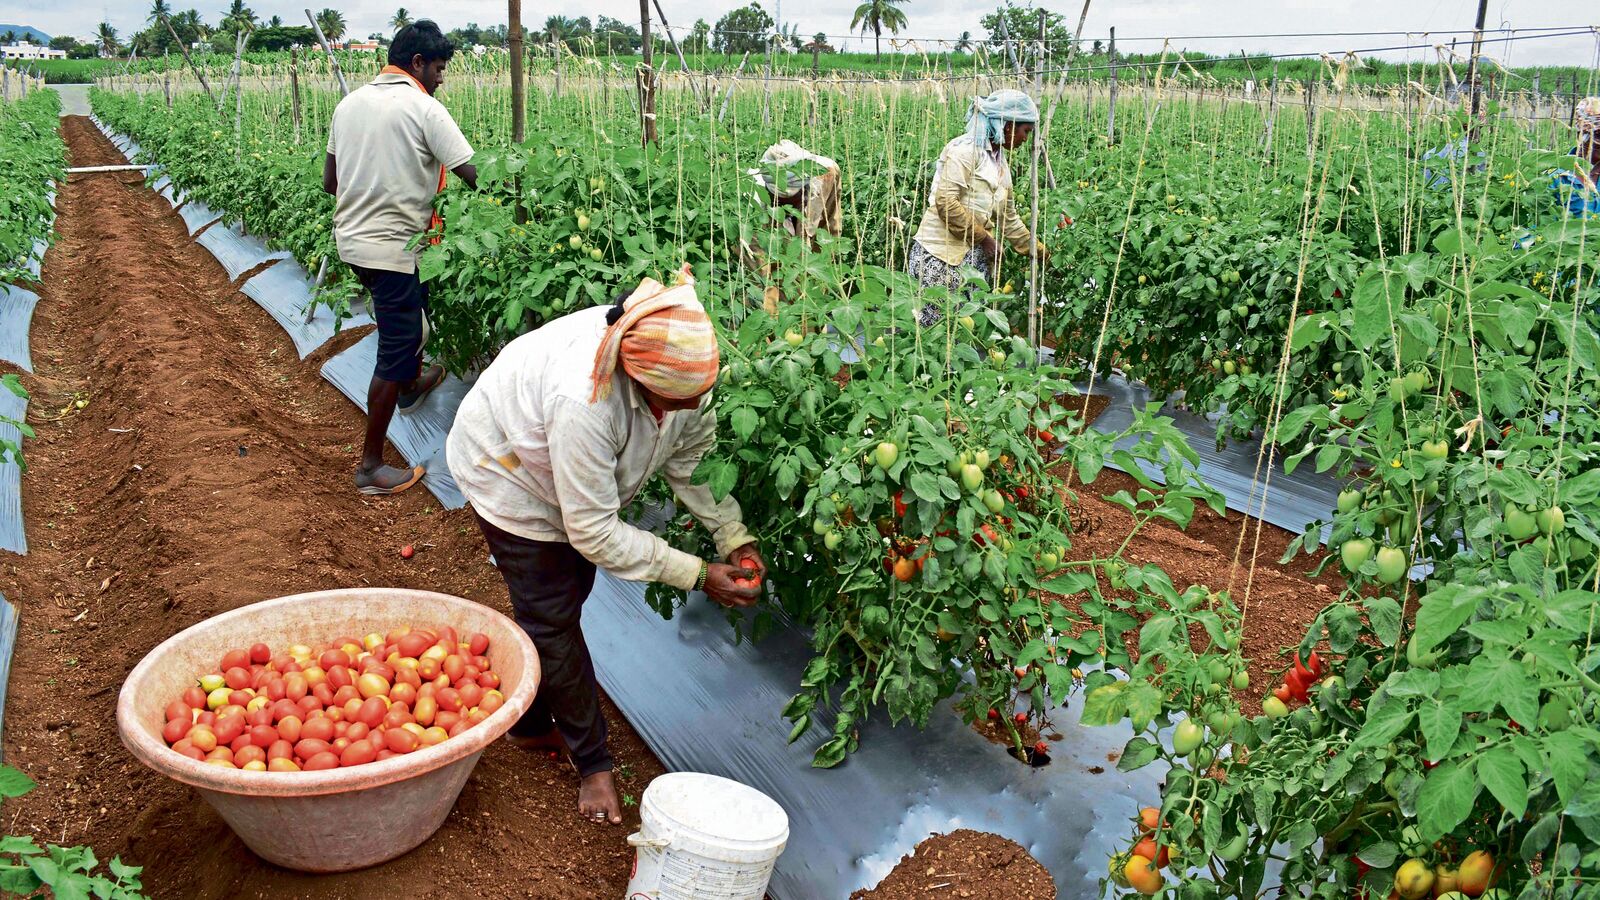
x=1280, y=600
x=965, y=863
x=210, y=469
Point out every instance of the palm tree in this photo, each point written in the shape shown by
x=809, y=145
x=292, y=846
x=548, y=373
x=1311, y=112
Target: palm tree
x=964, y=43
x=275, y=22
x=9, y=37
x=189, y=22
x=160, y=9
x=401, y=19
x=239, y=17
x=106, y=37
x=878, y=15
x=331, y=21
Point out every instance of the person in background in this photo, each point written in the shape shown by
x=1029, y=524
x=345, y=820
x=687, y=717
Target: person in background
x=389, y=147
x=814, y=201
x=1578, y=190
x=971, y=197
x=1454, y=155
x=560, y=433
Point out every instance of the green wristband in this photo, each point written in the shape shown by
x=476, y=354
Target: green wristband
x=700, y=582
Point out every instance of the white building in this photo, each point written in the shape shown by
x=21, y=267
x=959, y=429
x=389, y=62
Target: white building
x=28, y=50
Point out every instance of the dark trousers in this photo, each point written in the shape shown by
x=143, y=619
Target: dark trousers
x=548, y=582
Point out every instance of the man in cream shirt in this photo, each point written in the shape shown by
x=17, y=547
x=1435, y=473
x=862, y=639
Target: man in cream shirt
x=389, y=147
x=559, y=434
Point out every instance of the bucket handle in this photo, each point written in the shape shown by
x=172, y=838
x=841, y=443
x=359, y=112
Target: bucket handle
x=637, y=839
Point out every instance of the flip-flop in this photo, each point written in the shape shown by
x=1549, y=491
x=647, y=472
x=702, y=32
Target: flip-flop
x=373, y=489
x=432, y=378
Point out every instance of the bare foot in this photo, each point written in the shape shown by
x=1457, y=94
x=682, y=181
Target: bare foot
x=597, y=799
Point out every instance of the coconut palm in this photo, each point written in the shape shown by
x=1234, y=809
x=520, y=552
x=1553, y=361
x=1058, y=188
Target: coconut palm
x=331, y=21
x=878, y=15
x=159, y=9
x=238, y=18
x=106, y=37
x=401, y=19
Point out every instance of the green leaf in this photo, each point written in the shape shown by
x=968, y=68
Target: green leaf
x=1380, y=855
x=1441, y=723
x=1104, y=705
x=1568, y=763
x=1386, y=718
x=744, y=421
x=1501, y=772
x=13, y=783
x=1443, y=611
x=1445, y=800
x=1383, y=615
x=925, y=486
x=1138, y=753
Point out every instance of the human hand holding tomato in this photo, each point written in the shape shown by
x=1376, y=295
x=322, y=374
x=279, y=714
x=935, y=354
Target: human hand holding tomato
x=748, y=557
x=727, y=585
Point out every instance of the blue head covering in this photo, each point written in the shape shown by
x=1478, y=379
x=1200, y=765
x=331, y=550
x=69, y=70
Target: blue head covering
x=987, y=119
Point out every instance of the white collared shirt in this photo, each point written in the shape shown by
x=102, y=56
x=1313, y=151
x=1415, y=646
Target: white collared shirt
x=388, y=140
x=534, y=457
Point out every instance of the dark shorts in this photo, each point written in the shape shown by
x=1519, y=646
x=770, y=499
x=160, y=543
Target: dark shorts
x=399, y=303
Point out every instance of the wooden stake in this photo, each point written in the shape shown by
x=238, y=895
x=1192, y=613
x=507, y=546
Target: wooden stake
x=519, y=89
x=728, y=96
x=646, y=77
x=673, y=43
x=1111, y=108
x=192, y=67
x=338, y=73
x=294, y=91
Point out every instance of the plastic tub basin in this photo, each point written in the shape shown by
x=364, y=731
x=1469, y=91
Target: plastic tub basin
x=303, y=820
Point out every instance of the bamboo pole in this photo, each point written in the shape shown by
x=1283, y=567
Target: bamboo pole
x=192, y=67
x=294, y=91
x=519, y=88
x=333, y=61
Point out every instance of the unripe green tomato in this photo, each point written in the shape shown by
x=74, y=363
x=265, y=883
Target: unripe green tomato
x=1349, y=501
x=1241, y=680
x=1186, y=736
x=971, y=477
x=1551, y=521
x=832, y=540
x=1232, y=850
x=1218, y=671
x=1274, y=708
x=820, y=526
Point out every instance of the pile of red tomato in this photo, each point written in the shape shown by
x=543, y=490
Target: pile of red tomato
x=1140, y=868
x=1296, y=686
x=350, y=703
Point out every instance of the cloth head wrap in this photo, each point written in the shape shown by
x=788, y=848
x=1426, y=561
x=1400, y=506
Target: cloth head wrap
x=1588, y=115
x=986, y=121
x=663, y=339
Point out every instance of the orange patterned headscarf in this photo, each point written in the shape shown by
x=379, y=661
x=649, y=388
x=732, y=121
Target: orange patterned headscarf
x=663, y=339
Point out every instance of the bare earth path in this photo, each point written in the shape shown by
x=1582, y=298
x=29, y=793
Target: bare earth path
x=208, y=469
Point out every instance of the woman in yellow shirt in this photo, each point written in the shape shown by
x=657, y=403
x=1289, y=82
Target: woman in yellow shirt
x=971, y=197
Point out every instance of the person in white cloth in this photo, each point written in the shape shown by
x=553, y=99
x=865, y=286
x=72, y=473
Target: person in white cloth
x=971, y=198
x=558, y=435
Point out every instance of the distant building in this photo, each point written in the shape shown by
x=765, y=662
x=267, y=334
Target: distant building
x=360, y=45
x=29, y=50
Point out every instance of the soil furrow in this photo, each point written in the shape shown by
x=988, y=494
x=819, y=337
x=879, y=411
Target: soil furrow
x=188, y=463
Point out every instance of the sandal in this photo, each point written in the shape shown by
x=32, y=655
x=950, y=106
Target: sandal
x=430, y=379
x=386, y=480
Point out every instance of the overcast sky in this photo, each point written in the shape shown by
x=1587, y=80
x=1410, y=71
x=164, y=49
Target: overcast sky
x=948, y=18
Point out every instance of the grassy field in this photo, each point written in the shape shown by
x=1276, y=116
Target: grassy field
x=66, y=71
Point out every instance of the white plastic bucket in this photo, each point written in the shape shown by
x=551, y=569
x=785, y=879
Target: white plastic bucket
x=702, y=837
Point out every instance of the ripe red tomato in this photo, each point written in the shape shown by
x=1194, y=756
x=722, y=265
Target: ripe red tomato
x=414, y=644
x=175, y=729
x=320, y=729
x=359, y=753
x=400, y=740
x=234, y=659
x=1281, y=692
x=478, y=644
x=323, y=760
x=260, y=654
x=407, y=552
x=194, y=698
x=1147, y=848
